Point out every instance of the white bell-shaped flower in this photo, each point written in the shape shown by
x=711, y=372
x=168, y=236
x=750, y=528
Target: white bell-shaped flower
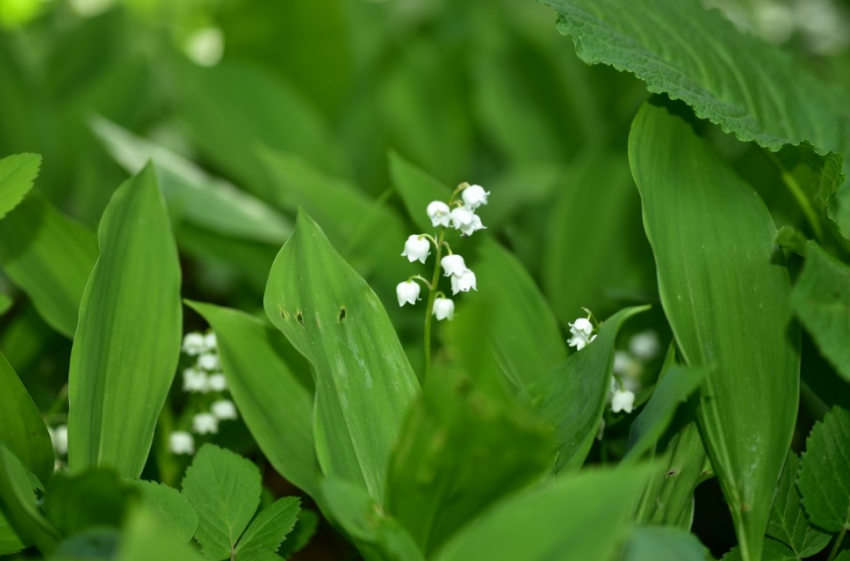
x=645, y=345
x=205, y=423
x=181, y=442
x=580, y=340
x=439, y=213
x=209, y=362
x=462, y=217
x=416, y=247
x=463, y=282
x=581, y=326
x=59, y=437
x=474, y=196
x=625, y=365
x=210, y=341
x=407, y=292
x=444, y=308
x=195, y=381
x=194, y=344
x=217, y=382
x=224, y=410
x=474, y=226
x=453, y=265
x=622, y=400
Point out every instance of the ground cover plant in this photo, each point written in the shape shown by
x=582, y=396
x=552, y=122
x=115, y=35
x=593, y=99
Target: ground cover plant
x=414, y=280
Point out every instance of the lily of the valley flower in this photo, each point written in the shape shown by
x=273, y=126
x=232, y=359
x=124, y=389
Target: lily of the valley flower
x=463, y=282
x=645, y=345
x=582, y=333
x=453, y=265
x=224, y=410
x=474, y=196
x=579, y=341
x=444, y=308
x=439, y=213
x=205, y=423
x=195, y=381
x=622, y=400
x=474, y=226
x=194, y=344
x=407, y=292
x=462, y=217
x=181, y=442
x=59, y=437
x=217, y=382
x=416, y=247
x=208, y=362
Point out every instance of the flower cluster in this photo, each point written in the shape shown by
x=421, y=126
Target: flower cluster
x=203, y=377
x=628, y=367
x=581, y=333
x=418, y=247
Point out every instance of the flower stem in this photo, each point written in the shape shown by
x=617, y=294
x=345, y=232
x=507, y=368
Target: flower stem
x=429, y=309
x=837, y=545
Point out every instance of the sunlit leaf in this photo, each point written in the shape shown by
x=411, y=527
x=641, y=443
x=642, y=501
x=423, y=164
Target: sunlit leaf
x=172, y=507
x=17, y=174
x=269, y=528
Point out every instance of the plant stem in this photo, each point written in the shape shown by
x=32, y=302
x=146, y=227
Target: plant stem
x=837, y=545
x=429, y=309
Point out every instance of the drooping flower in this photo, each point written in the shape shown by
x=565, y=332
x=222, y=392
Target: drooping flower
x=622, y=400
x=581, y=326
x=474, y=196
x=462, y=217
x=474, y=226
x=59, y=437
x=645, y=345
x=444, y=308
x=439, y=213
x=224, y=410
x=463, y=282
x=217, y=382
x=194, y=344
x=626, y=365
x=416, y=247
x=407, y=292
x=210, y=341
x=181, y=442
x=195, y=381
x=453, y=265
x=580, y=341
x=209, y=362
x=205, y=423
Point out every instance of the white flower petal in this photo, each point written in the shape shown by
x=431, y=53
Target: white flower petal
x=622, y=400
x=205, y=423
x=416, y=247
x=224, y=409
x=439, y=213
x=444, y=308
x=181, y=442
x=474, y=196
x=407, y=292
x=453, y=265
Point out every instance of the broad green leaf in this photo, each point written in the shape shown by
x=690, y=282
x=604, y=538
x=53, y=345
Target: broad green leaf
x=277, y=407
x=377, y=536
x=523, y=332
x=773, y=551
x=146, y=537
x=173, y=508
x=825, y=472
x=5, y=303
x=364, y=382
x=663, y=543
x=50, y=257
x=17, y=174
x=417, y=189
x=224, y=488
x=95, y=544
x=464, y=445
x=19, y=503
x=573, y=517
x=678, y=383
x=128, y=339
x=693, y=54
x=197, y=197
x=305, y=529
x=572, y=396
x=843, y=556
x=822, y=302
x=788, y=522
x=728, y=305
x=21, y=425
x=269, y=528
x=9, y=540
x=95, y=497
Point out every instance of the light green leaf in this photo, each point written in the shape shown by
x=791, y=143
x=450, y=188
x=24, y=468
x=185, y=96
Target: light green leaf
x=225, y=490
x=261, y=370
x=269, y=528
x=93, y=498
x=364, y=382
x=727, y=303
x=825, y=472
x=573, y=518
x=146, y=537
x=693, y=55
x=822, y=302
x=19, y=503
x=417, y=189
x=773, y=551
x=5, y=303
x=663, y=543
x=21, y=425
x=572, y=396
x=788, y=522
x=173, y=509
x=678, y=383
x=305, y=529
x=197, y=197
x=17, y=174
x=128, y=340
x=523, y=332
x=9, y=540
x=50, y=257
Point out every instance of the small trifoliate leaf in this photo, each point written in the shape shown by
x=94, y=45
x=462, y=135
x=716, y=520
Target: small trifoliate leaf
x=173, y=508
x=825, y=472
x=225, y=490
x=788, y=522
x=17, y=174
x=269, y=529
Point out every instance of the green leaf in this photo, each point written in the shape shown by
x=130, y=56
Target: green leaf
x=523, y=332
x=822, y=301
x=572, y=396
x=773, y=551
x=788, y=522
x=128, y=340
x=678, y=383
x=727, y=304
x=261, y=370
x=269, y=528
x=9, y=540
x=305, y=529
x=364, y=382
x=417, y=189
x=693, y=56
x=843, y=556
x=377, y=536
x=50, y=257
x=21, y=425
x=19, y=503
x=146, y=537
x=173, y=508
x=825, y=472
x=225, y=490
x=17, y=174
x=96, y=497
x=5, y=303
x=95, y=544
x=574, y=517
x=197, y=197
x=663, y=543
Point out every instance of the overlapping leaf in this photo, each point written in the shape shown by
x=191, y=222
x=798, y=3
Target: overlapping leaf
x=17, y=174
x=825, y=472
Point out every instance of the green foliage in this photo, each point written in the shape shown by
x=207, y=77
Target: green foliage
x=172, y=507
x=93, y=498
x=268, y=529
x=417, y=189
x=663, y=543
x=9, y=540
x=773, y=551
x=304, y=530
x=19, y=503
x=17, y=174
x=824, y=479
x=147, y=538
x=129, y=324
x=728, y=306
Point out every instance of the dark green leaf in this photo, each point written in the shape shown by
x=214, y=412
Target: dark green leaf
x=663, y=543
x=146, y=538
x=95, y=544
x=128, y=340
x=305, y=529
x=773, y=551
x=17, y=174
x=417, y=189
x=825, y=472
x=269, y=528
x=19, y=503
x=9, y=540
x=174, y=510
x=95, y=497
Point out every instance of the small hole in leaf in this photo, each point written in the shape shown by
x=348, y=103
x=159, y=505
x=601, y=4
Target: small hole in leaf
x=672, y=473
x=283, y=314
x=341, y=314
x=300, y=317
